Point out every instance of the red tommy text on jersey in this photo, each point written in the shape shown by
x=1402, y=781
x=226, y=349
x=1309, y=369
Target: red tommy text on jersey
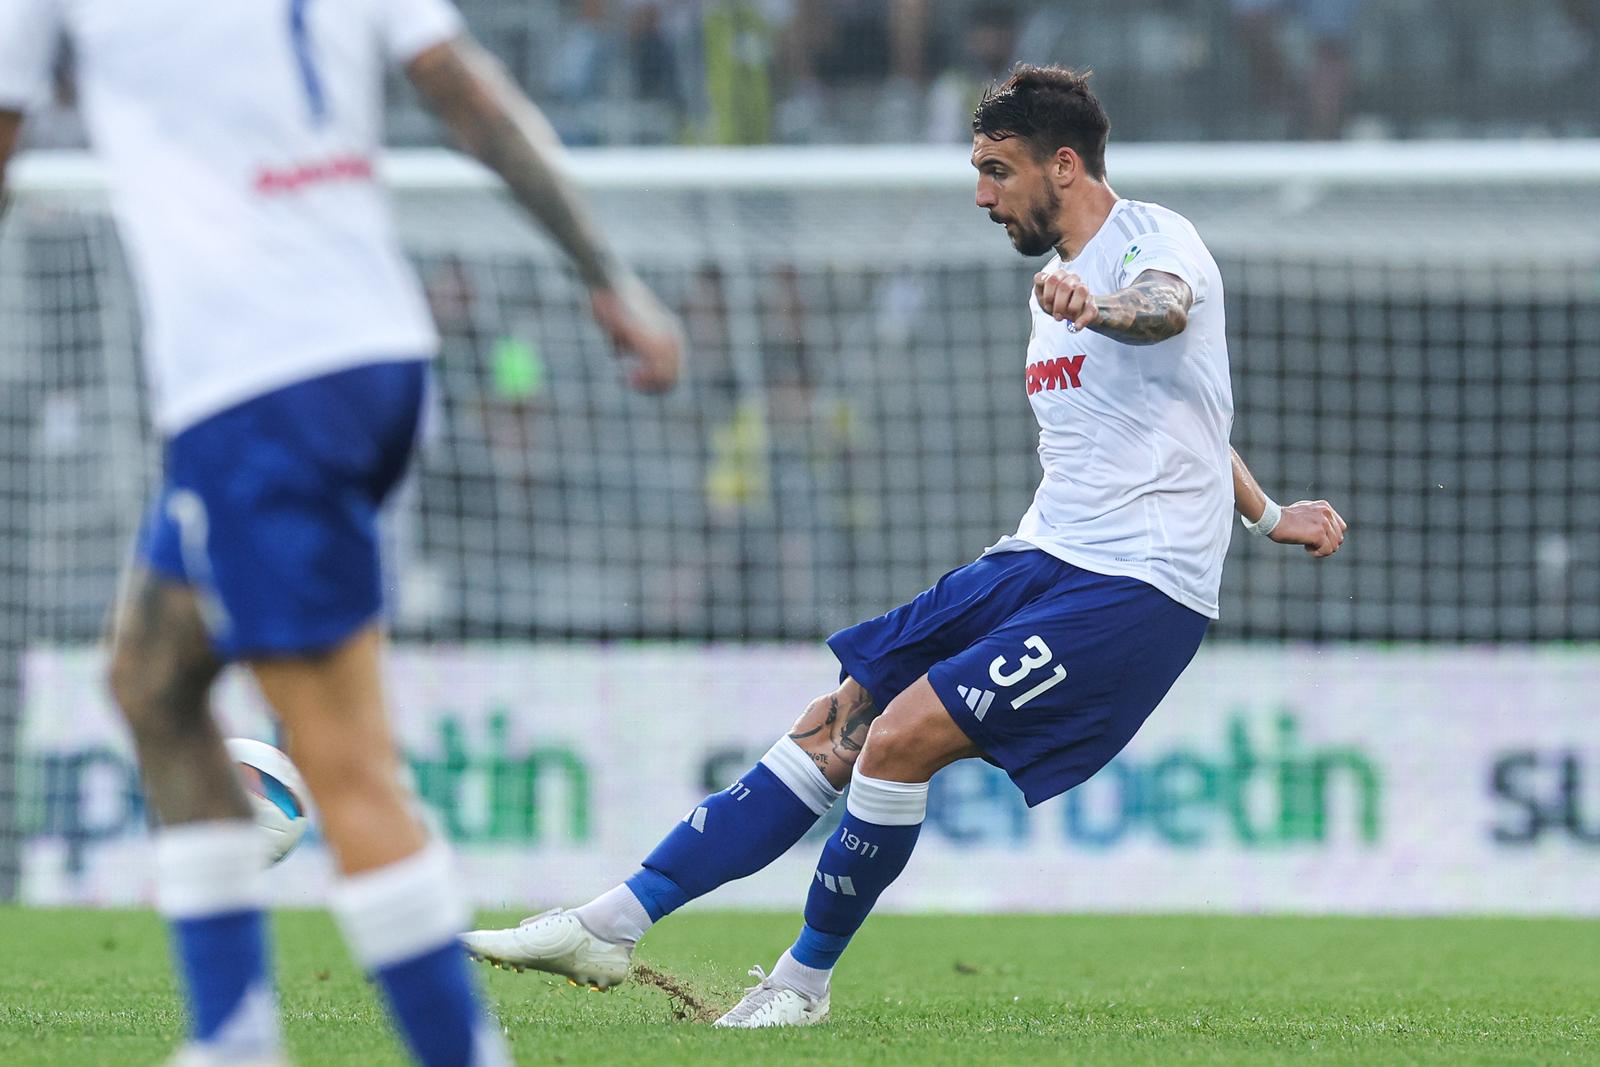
x=1058, y=373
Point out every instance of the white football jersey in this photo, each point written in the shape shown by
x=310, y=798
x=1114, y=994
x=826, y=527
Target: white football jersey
x=241, y=139
x=1134, y=438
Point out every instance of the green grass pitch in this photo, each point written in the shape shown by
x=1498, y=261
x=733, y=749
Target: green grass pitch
x=86, y=988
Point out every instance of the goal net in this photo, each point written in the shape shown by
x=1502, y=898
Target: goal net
x=1414, y=333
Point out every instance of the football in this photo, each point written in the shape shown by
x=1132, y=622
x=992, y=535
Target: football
x=277, y=793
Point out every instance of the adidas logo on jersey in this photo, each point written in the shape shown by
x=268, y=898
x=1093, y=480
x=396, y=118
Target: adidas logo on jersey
x=978, y=700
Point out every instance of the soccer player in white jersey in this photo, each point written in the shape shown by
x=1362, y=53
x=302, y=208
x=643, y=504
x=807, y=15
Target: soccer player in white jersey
x=287, y=345
x=1048, y=652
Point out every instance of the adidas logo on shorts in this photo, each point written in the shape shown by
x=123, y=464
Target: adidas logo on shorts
x=977, y=699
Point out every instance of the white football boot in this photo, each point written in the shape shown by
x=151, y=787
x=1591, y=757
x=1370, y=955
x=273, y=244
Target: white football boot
x=765, y=1004
x=557, y=942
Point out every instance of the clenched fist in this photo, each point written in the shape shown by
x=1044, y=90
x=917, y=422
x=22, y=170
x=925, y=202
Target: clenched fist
x=1312, y=523
x=1065, y=298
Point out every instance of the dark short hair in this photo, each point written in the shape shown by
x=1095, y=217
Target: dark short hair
x=1047, y=107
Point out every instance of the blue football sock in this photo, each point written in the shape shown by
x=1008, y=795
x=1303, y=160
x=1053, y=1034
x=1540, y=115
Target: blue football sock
x=867, y=852
x=224, y=963
x=209, y=888
x=401, y=923
x=434, y=1005
x=736, y=832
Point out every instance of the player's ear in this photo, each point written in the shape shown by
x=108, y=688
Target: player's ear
x=1065, y=166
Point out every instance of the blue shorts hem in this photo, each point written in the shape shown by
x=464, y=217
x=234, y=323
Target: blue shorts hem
x=304, y=641
x=854, y=667
x=162, y=568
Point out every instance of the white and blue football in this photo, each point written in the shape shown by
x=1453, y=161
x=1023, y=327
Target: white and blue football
x=277, y=794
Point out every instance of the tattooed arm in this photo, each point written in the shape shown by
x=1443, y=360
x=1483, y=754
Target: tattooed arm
x=1154, y=308
x=491, y=118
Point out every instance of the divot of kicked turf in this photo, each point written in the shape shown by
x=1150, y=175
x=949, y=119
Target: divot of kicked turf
x=687, y=1004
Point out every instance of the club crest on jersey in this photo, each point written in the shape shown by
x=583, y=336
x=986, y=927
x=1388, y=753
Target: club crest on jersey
x=1058, y=373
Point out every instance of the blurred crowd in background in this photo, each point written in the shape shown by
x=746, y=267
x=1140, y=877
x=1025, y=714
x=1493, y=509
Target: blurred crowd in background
x=894, y=71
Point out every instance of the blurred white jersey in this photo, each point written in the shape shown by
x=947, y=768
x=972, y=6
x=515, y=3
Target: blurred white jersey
x=241, y=140
x=1134, y=438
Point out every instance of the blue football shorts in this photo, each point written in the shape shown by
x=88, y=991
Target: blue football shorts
x=269, y=509
x=1049, y=668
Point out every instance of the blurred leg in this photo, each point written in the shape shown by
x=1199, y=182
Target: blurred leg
x=333, y=708
x=209, y=852
x=160, y=676
x=395, y=902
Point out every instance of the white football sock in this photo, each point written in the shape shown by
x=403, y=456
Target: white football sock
x=792, y=974
x=399, y=911
x=615, y=916
x=210, y=868
x=790, y=764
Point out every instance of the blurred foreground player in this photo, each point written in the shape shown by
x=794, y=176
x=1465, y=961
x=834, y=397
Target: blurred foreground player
x=1047, y=653
x=288, y=346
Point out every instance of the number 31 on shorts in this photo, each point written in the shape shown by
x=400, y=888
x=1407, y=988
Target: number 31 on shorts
x=1038, y=657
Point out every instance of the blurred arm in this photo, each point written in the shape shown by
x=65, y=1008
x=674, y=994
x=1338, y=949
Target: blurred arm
x=492, y=119
x=1312, y=523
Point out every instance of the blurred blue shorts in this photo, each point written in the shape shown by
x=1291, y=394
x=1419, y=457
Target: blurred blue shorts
x=270, y=509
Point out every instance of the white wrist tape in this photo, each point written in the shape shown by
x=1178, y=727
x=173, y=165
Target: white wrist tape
x=1268, y=521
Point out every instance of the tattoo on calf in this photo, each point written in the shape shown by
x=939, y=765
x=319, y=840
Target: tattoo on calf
x=846, y=730
x=833, y=714
x=159, y=639
x=854, y=734
x=163, y=667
